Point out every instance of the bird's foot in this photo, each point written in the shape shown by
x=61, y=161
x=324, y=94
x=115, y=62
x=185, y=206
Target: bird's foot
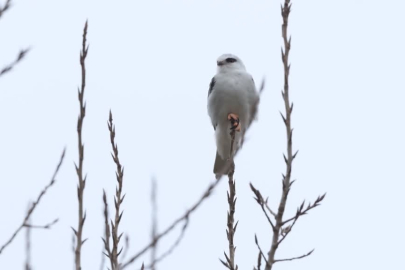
x=234, y=119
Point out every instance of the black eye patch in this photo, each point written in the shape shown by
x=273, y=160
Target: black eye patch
x=230, y=60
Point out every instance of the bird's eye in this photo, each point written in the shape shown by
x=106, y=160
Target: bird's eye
x=230, y=60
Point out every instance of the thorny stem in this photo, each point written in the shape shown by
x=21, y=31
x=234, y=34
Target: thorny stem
x=79, y=168
x=285, y=11
x=231, y=195
x=107, y=234
x=118, y=199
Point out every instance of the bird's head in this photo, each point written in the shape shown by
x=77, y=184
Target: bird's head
x=229, y=62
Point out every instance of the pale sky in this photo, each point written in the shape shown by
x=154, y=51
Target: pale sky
x=151, y=62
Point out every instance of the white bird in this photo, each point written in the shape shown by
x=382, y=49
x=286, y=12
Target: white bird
x=232, y=101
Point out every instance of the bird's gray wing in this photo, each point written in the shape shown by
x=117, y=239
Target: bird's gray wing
x=212, y=84
x=253, y=101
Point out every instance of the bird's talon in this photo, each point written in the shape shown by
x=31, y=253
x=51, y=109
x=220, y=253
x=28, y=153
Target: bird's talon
x=234, y=119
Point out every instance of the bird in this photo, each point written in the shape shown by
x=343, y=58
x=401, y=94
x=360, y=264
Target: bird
x=231, y=103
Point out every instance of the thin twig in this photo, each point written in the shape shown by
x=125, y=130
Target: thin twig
x=124, y=255
x=277, y=228
x=107, y=234
x=34, y=205
x=118, y=198
x=182, y=218
x=46, y=226
x=268, y=207
x=10, y=66
x=172, y=248
x=285, y=11
x=79, y=169
x=261, y=254
x=28, y=248
x=295, y=258
x=261, y=202
x=6, y=6
x=154, y=224
x=102, y=260
x=300, y=212
x=310, y=206
x=259, y=262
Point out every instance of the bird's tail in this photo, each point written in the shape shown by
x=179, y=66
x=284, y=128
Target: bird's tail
x=222, y=166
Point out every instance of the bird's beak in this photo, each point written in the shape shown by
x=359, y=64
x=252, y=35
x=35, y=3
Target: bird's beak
x=220, y=63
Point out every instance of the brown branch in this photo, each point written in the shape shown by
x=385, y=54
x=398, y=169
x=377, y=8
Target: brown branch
x=6, y=6
x=268, y=207
x=285, y=11
x=278, y=230
x=231, y=195
x=34, y=205
x=46, y=226
x=10, y=66
x=124, y=255
x=300, y=212
x=259, y=262
x=261, y=254
x=28, y=248
x=172, y=248
x=118, y=198
x=154, y=224
x=79, y=169
x=107, y=234
x=295, y=258
x=262, y=203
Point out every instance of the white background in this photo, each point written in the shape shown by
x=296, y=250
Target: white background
x=151, y=63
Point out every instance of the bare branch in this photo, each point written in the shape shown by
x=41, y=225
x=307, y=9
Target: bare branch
x=10, y=66
x=259, y=262
x=126, y=247
x=295, y=258
x=285, y=11
x=172, y=248
x=260, y=201
x=268, y=207
x=261, y=254
x=34, y=205
x=301, y=212
x=278, y=229
x=46, y=226
x=6, y=6
x=106, y=239
x=79, y=168
x=119, y=198
x=28, y=248
x=154, y=224
x=182, y=218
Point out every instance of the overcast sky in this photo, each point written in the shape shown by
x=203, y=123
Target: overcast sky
x=151, y=62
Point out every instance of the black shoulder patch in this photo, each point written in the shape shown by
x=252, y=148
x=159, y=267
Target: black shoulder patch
x=211, y=86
